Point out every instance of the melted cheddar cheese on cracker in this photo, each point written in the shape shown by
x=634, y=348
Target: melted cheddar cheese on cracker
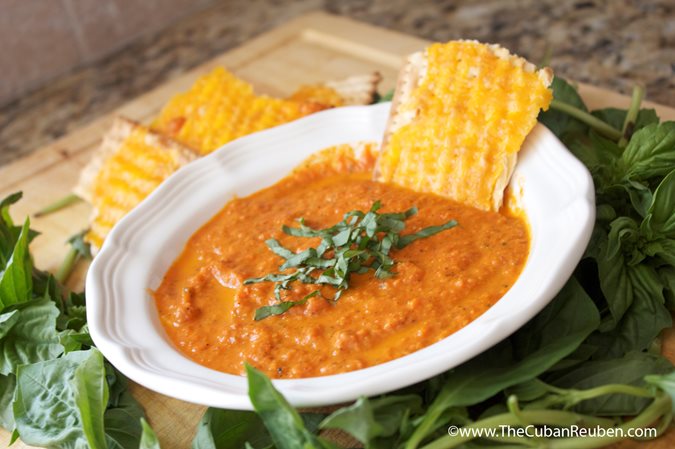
x=460, y=114
x=132, y=162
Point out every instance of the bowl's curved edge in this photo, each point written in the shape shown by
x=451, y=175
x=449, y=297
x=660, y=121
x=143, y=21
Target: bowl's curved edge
x=311, y=392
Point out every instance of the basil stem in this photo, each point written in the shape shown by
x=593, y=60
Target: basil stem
x=592, y=121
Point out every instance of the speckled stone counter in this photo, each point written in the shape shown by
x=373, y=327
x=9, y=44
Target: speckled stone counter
x=612, y=44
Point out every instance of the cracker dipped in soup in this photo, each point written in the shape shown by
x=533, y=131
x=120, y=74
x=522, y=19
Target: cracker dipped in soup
x=363, y=253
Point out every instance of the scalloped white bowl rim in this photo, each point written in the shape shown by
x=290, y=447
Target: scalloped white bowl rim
x=555, y=190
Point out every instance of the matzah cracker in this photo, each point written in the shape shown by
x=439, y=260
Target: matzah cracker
x=354, y=90
x=132, y=162
x=460, y=114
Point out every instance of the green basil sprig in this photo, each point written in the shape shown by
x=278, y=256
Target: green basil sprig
x=360, y=243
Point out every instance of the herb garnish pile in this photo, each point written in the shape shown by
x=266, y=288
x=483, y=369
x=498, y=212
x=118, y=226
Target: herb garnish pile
x=590, y=358
x=359, y=243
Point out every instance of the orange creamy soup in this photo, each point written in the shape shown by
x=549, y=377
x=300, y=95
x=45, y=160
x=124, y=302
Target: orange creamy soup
x=441, y=283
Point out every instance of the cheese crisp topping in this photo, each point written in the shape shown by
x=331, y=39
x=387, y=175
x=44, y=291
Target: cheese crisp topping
x=220, y=107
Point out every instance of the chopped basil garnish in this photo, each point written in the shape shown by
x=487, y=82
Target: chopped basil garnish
x=359, y=243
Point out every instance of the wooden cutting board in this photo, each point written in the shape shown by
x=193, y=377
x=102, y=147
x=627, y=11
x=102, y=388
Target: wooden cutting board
x=311, y=48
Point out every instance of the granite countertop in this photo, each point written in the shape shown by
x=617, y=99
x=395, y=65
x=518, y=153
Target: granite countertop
x=612, y=44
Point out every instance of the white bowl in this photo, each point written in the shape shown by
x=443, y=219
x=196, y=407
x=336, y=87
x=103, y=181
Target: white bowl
x=557, y=195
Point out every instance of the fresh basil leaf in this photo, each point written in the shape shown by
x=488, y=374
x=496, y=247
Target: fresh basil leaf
x=8, y=232
x=90, y=393
x=358, y=420
x=667, y=275
x=222, y=429
x=284, y=424
x=74, y=299
x=7, y=387
x=6, y=202
x=149, y=439
x=117, y=385
x=613, y=275
x=624, y=238
x=7, y=322
x=661, y=214
x=612, y=116
x=628, y=370
x=312, y=420
x=640, y=195
x=45, y=410
x=560, y=123
x=16, y=282
x=649, y=153
x=616, y=117
x=13, y=438
x=599, y=155
x=663, y=249
x=584, y=352
x=529, y=390
x=75, y=341
x=645, y=117
x=123, y=422
x=45, y=286
x=642, y=322
x=32, y=338
x=558, y=330
x=74, y=318
x=368, y=419
x=60, y=403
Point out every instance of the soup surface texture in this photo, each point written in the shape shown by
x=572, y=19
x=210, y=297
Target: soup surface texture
x=441, y=284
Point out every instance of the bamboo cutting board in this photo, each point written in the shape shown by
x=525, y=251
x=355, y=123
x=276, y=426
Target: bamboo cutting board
x=315, y=47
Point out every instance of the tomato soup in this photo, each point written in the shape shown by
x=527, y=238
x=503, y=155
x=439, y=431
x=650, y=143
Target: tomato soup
x=441, y=283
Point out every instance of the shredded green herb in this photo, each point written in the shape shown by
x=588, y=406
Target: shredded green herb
x=361, y=242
